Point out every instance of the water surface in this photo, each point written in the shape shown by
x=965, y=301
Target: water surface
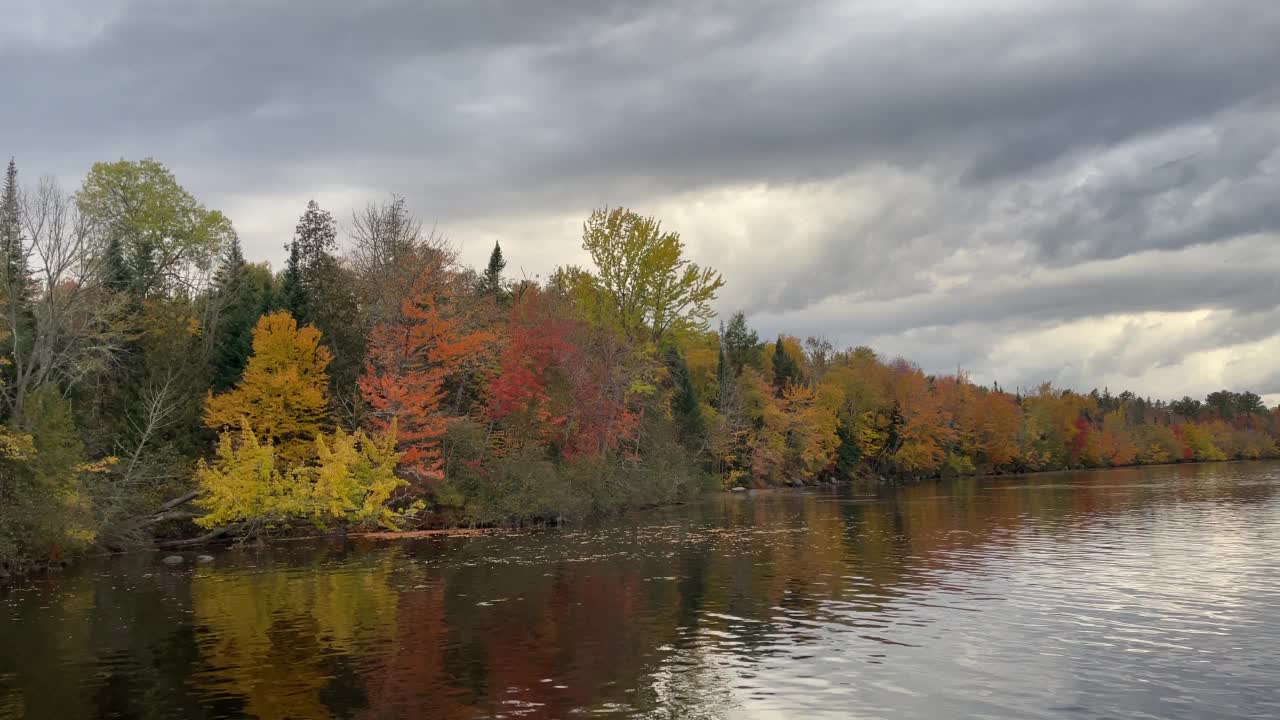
x=1146, y=593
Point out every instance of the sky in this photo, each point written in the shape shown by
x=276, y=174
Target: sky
x=1085, y=192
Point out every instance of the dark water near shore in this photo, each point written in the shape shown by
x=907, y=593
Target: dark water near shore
x=1148, y=593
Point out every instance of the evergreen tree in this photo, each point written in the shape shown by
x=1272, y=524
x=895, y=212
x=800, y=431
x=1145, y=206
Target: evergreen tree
x=741, y=344
x=786, y=371
x=16, y=284
x=243, y=294
x=116, y=276
x=314, y=239
x=17, y=279
x=293, y=291
x=491, y=281
x=685, y=407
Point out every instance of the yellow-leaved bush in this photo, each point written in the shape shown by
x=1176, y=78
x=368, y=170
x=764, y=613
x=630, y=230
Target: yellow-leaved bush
x=350, y=480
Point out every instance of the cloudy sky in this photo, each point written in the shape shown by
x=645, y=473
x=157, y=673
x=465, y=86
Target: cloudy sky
x=1081, y=191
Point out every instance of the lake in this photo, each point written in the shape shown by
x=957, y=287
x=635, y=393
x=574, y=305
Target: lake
x=1143, y=593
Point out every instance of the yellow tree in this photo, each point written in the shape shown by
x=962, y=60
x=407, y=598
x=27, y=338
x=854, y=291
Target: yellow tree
x=351, y=480
x=644, y=282
x=284, y=394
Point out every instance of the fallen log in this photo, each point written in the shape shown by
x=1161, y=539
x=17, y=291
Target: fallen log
x=208, y=537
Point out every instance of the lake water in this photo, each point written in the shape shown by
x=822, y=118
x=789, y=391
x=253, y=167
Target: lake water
x=1146, y=593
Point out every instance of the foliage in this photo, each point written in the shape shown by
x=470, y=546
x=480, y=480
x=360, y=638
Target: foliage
x=141, y=362
x=284, y=395
x=160, y=232
x=491, y=280
x=45, y=509
x=351, y=480
x=646, y=283
x=409, y=361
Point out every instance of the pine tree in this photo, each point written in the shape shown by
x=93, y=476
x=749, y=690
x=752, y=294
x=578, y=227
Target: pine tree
x=293, y=291
x=17, y=274
x=243, y=294
x=685, y=408
x=786, y=372
x=491, y=282
x=17, y=326
x=314, y=239
x=741, y=344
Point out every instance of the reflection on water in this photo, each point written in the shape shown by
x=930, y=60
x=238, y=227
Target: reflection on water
x=1146, y=593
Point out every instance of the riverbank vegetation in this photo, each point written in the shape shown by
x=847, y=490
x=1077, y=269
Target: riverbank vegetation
x=157, y=387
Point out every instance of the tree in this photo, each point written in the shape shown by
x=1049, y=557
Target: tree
x=686, y=408
x=284, y=394
x=293, y=290
x=314, y=239
x=1187, y=407
x=45, y=510
x=786, y=371
x=647, y=287
x=537, y=339
x=404, y=377
x=491, y=281
x=741, y=344
x=164, y=237
x=242, y=293
x=390, y=256
x=16, y=283
x=76, y=328
x=319, y=291
x=351, y=480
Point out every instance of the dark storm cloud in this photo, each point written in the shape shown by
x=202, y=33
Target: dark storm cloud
x=1014, y=148
x=684, y=93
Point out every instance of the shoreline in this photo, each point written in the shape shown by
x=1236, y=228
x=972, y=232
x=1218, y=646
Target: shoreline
x=468, y=532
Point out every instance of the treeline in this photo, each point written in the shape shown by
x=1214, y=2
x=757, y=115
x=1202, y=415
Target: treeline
x=157, y=387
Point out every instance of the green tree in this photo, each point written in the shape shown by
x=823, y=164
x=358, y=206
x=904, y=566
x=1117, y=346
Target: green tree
x=686, y=407
x=318, y=290
x=786, y=370
x=293, y=292
x=160, y=232
x=16, y=284
x=45, y=511
x=17, y=281
x=741, y=344
x=242, y=293
x=491, y=281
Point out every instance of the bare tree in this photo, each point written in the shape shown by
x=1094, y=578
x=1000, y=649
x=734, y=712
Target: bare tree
x=390, y=254
x=74, y=328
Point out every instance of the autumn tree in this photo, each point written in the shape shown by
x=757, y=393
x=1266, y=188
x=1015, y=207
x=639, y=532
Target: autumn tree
x=521, y=392
x=284, y=394
x=391, y=255
x=350, y=478
x=403, y=381
x=646, y=285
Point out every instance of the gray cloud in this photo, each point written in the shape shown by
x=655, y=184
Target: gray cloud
x=935, y=177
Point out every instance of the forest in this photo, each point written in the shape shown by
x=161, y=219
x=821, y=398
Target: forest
x=159, y=389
